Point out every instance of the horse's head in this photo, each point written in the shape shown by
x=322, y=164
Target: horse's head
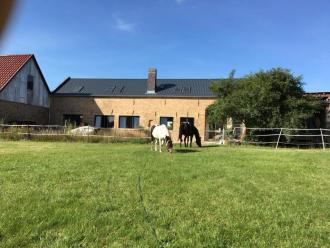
x=198, y=141
x=169, y=144
x=197, y=136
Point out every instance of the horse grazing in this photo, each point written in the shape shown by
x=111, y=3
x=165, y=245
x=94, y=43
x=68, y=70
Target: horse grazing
x=188, y=130
x=161, y=135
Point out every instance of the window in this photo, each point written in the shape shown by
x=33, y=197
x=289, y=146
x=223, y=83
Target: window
x=72, y=119
x=104, y=121
x=168, y=121
x=29, y=82
x=187, y=119
x=129, y=121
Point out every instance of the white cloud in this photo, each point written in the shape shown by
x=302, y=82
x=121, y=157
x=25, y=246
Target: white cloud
x=123, y=25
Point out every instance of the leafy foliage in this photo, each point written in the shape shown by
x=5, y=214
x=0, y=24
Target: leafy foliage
x=273, y=98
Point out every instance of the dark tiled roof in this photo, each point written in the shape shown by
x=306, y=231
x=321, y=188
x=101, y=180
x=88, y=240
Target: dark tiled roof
x=10, y=65
x=324, y=96
x=319, y=93
x=135, y=87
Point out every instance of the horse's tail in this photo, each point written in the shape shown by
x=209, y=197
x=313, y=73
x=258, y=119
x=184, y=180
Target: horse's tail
x=180, y=132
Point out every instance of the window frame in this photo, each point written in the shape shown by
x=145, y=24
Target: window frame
x=167, y=120
x=132, y=121
x=104, y=121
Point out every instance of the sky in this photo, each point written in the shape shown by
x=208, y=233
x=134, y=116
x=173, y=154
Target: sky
x=181, y=38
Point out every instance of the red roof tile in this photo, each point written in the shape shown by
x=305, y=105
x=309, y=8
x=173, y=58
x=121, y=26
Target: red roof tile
x=10, y=65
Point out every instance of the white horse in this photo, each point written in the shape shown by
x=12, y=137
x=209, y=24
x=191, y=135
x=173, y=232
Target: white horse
x=161, y=135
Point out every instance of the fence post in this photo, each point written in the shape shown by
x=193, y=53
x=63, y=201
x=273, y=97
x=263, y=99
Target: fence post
x=28, y=132
x=279, y=137
x=322, y=138
x=222, y=137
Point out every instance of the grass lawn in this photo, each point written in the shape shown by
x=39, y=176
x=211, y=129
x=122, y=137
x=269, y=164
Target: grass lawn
x=124, y=195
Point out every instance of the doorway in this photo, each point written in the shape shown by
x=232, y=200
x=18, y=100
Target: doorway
x=187, y=119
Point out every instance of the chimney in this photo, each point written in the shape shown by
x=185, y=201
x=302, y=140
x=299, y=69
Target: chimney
x=152, y=78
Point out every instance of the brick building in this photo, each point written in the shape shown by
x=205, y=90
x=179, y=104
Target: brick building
x=109, y=103
x=132, y=103
x=24, y=94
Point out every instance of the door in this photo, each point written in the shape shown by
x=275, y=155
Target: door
x=187, y=119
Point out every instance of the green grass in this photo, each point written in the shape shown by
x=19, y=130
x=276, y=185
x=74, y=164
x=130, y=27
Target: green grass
x=124, y=195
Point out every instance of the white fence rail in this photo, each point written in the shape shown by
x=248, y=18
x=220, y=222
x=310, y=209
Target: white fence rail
x=215, y=136
x=276, y=137
x=285, y=137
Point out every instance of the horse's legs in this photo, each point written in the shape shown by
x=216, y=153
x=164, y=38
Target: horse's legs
x=160, y=145
x=191, y=137
x=185, y=141
x=155, y=145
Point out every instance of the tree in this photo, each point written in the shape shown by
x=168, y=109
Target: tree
x=273, y=98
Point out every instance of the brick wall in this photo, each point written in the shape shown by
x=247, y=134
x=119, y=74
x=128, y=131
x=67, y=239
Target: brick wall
x=20, y=112
x=149, y=109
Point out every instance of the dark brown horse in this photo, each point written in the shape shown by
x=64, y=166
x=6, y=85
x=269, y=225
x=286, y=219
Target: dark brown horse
x=188, y=130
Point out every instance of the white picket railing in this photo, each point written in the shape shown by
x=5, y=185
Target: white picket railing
x=313, y=137
x=276, y=137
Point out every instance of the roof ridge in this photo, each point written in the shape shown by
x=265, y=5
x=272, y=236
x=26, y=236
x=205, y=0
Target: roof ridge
x=16, y=55
x=143, y=78
x=109, y=78
x=318, y=92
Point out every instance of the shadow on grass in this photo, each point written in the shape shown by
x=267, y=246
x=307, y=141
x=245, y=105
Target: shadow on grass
x=208, y=146
x=185, y=150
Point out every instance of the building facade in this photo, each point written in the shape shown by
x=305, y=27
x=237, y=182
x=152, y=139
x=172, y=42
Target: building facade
x=130, y=112
x=24, y=94
x=133, y=103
